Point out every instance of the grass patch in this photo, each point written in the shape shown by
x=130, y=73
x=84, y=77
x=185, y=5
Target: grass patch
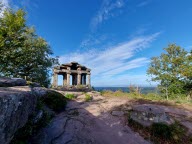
x=88, y=97
x=151, y=97
x=70, y=96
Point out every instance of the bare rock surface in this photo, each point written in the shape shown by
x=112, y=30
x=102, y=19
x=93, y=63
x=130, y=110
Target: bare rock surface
x=89, y=123
x=117, y=113
x=10, y=82
x=16, y=104
x=146, y=114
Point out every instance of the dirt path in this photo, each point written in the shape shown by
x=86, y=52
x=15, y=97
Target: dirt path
x=90, y=123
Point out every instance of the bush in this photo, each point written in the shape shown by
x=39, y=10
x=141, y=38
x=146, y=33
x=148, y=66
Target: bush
x=174, y=132
x=70, y=96
x=161, y=130
x=88, y=97
x=55, y=101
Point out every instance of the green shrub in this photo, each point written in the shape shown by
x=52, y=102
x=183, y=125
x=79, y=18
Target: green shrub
x=70, y=96
x=174, y=132
x=88, y=97
x=55, y=101
x=177, y=131
x=161, y=130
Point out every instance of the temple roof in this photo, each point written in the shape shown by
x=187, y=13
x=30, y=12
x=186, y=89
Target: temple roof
x=72, y=65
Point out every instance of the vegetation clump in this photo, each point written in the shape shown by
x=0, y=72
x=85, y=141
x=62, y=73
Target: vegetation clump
x=22, y=52
x=55, y=101
x=88, y=97
x=70, y=96
x=173, y=71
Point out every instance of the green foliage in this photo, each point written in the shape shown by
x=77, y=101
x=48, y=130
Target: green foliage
x=161, y=130
x=55, y=101
x=174, y=132
x=88, y=97
x=173, y=70
x=70, y=96
x=22, y=51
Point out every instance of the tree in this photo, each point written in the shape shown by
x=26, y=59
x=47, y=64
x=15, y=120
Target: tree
x=173, y=70
x=22, y=51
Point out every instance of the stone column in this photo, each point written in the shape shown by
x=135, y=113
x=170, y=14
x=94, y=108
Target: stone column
x=55, y=80
x=89, y=79
x=64, y=79
x=78, y=79
x=68, y=79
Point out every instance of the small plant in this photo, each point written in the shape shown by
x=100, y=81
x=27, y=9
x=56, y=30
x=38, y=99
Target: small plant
x=101, y=92
x=88, y=97
x=80, y=86
x=70, y=96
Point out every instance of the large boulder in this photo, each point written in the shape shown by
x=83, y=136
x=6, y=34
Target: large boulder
x=16, y=105
x=10, y=82
x=147, y=114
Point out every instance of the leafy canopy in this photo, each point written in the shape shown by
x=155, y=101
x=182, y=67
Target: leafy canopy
x=173, y=70
x=22, y=51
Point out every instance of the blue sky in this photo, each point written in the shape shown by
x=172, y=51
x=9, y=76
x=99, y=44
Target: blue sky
x=115, y=38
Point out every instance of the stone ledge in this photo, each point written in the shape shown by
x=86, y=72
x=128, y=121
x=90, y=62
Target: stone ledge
x=10, y=82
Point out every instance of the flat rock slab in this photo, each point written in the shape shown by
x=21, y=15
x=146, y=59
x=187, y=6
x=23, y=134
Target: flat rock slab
x=162, y=109
x=117, y=113
x=89, y=123
x=146, y=114
x=10, y=82
x=149, y=109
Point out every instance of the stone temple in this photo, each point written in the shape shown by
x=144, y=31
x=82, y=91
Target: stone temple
x=72, y=72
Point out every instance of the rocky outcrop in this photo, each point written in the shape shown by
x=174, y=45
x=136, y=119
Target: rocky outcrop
x=89, y=122
x=17, y=104
x=146, y=115
x=10, y=82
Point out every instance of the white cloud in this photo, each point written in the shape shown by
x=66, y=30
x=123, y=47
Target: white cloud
x=143, y=3
x=93, y=40
x=18, y=4
x=5, y=4
x=106, y=11
x=112, y=61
